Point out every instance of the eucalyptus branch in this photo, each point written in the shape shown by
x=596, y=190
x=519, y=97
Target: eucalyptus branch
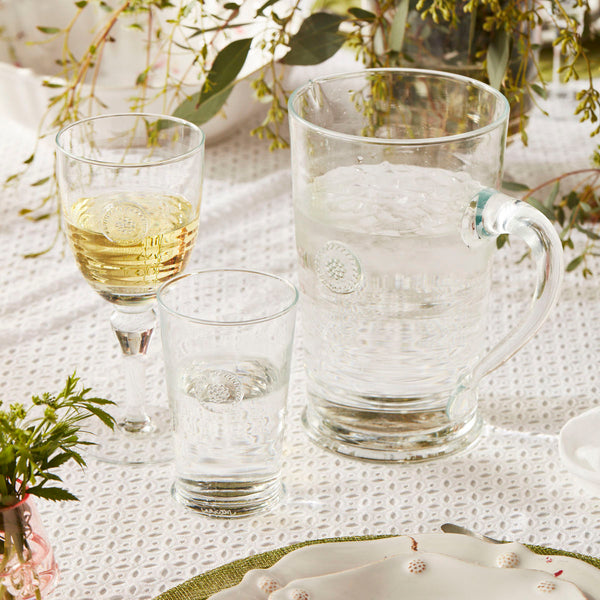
x=73, y=89
x=67, y=57
x=380, y=33
x=576, y=211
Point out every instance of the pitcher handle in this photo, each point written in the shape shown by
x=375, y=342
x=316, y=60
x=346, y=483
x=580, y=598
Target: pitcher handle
x=490, y=214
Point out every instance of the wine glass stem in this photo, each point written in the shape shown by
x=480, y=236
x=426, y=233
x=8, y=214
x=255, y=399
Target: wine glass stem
x=134, y=330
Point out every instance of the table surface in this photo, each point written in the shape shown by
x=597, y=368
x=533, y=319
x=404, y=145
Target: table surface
x=127, y=538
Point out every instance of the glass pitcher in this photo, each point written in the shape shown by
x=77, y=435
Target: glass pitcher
x=396, y=207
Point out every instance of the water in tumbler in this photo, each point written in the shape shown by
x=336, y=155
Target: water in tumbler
x=228, y=416
x=393, y=298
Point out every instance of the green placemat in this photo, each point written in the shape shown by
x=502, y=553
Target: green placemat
x=203, y=586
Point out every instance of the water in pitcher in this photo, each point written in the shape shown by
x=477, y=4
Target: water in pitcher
x=394, y=300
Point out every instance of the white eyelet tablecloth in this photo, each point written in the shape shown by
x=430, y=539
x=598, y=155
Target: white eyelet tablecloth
x=127, y=538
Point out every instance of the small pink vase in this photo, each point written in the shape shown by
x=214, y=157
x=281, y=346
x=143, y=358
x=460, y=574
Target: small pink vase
x=27, y=565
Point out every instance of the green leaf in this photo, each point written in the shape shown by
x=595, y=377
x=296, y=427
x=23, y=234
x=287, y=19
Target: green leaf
x=201, y=31
x=49, y=30
x=198, y=110
x=552, y=196
x=7, y=455
x=107, y=419
x=572, y=199
x=514, y=186
x=261, y=10
x=588, y=232
x=399, y=26
x=574, y=263
x=51, y=493
x=543, y=209
x=100, y=401
x=58, y=460
x=35, y=254
x=231, y=6
x=40, y=181
x=540, y=90
x=501, y=240
x=498, y=53
x=362, y=14
x=77, y=457
x=317, y=40
x=51, y=477
x=202, y=106
x=81, y=4
x=227, y=65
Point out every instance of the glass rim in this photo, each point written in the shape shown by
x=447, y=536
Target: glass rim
x=500, y=121
x=163, y=289
x=139, y=115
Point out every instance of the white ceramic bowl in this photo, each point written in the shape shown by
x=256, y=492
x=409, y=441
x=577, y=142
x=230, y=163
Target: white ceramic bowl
x=26, y=61
x=24, y=98
x=579, y=448
x=28, y=57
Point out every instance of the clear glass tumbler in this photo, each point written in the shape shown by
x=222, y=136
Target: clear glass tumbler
x=227, y=340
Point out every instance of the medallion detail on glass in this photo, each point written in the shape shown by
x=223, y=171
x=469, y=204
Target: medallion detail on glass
x=337, y=268
x=124, y=222
x=215, y=388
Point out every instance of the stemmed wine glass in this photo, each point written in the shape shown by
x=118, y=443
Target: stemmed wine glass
x=130, y=189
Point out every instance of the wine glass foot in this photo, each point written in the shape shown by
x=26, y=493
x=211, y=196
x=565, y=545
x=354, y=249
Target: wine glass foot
x=148, y=442
x=145, y=426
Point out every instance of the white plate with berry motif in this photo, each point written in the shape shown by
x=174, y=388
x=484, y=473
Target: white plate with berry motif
x=429, y=576
x=310, y=566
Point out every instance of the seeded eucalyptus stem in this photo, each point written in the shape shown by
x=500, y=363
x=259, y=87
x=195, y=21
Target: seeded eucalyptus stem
x=380, y=33
x=575, y=212
x=378, y=36
x=591, y=171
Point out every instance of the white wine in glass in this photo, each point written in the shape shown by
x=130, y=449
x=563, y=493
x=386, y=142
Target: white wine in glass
x=130, y=189
x=127, y=244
